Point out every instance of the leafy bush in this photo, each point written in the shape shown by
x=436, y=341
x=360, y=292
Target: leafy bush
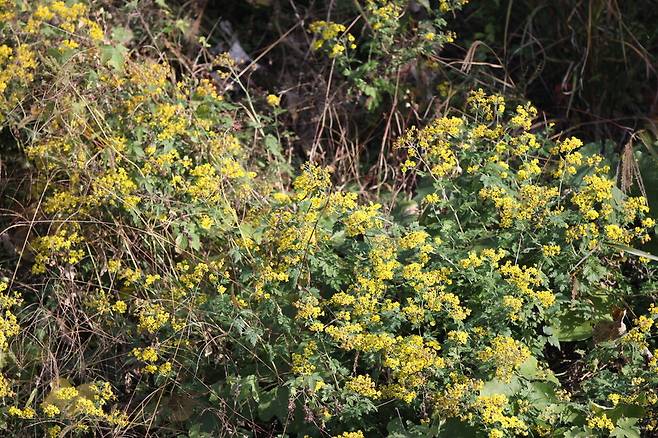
x=163, y=276
x=351, y=75
x=394, y=37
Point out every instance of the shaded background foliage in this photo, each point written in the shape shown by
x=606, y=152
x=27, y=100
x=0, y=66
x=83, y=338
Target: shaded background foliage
x=591, y=65
x=588, y=65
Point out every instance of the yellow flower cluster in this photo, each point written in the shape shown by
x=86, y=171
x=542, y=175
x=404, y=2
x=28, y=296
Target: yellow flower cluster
x=7, y=10
x=455, y=401
x=66, y=393
x=5, y=387
x=434, y=144
x=635, y=206
x=232, y=169
x=531, y=203
x=600, y=422
x=327, y=30
x=17, y=70
x=101, y=303
x=116, y=185
x=597, y=192
x=525, y=279
x=152, y=317
x=301, y=363
x=149, y=79
x=145, y=354
x=524, y=117
x=68, y=17
x=150, y=356
x=68, y=13
x=85, y=402
x=595, y=201
x=487, y=106
x=332, y=36
x=506, y=355
x=206, y=88
x=273, y=100
x=514, y=306
x=551, y=250
x=491, y=256
x=50, y=410
x=409, y=359
x=26, y=413
x=191, y=278
x=529, y=170
x=8, y=322
x=492, y=410
x=170, y=120
x=458, y=336
x=448, y=302
x=570, y=158
x=383, y=261
x=643, y=323
x=363, y=385
x=357, y=434
x=207, y=184
x=64, y=202
x=415, y=239
x=61, y=246
x=307, y=308
x=362, y=220
x=364, y=302
x=384, y=13
x=312, y=180
x=451, y=5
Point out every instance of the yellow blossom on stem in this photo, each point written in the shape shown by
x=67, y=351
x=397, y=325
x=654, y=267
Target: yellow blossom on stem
x=273, y=100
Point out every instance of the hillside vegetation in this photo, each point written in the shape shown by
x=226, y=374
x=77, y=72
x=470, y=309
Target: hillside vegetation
x=273, y=219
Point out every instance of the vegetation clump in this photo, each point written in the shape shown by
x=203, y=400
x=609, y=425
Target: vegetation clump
x=169, y=270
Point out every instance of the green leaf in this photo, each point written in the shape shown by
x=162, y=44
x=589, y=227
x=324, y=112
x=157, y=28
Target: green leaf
x=576, y=432
x=528, y=369
x=456, y=429
x=572, y=326
x=632, y=250
x=122, y=35
x=397, y=429
x=193, y=236
x=542, y=394
x=273, y=146
x=181, y=242
x=497, y=386
x=274, y=403
x=114, y=56
x=249, y=388
x=626, y=428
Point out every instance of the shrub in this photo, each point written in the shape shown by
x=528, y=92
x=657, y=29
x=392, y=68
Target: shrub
x=167, y=284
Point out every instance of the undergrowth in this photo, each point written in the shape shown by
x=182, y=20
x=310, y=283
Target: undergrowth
x=169, y=269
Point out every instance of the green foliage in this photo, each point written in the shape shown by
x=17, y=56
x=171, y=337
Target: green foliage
x=164, y=275
x=392, y=38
